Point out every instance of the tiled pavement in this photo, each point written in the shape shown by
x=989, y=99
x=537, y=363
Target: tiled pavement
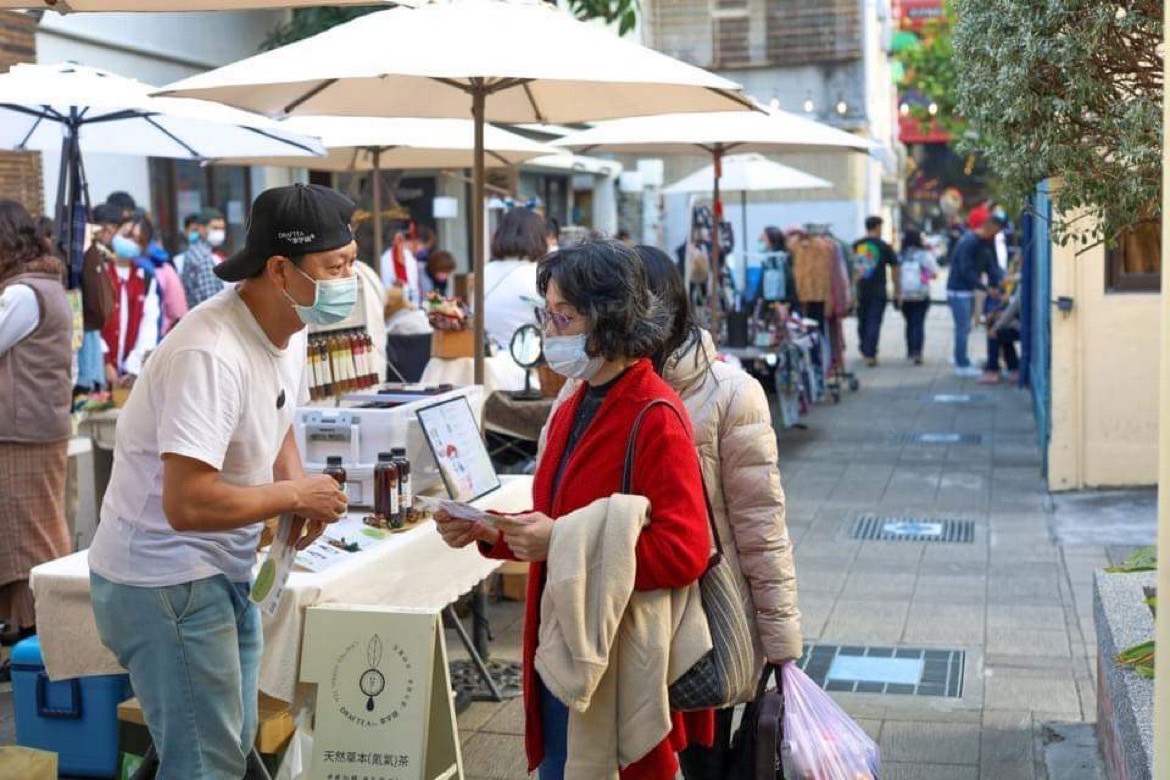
x=1019, y=606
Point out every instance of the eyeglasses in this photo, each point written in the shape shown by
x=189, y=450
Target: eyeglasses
x=559, y=321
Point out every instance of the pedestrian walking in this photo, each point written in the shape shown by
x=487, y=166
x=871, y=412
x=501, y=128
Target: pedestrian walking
x=872, y=256
x=917, y=269
x=973, y=269
x=602, y=325
x=204, y=453
x=36, y=341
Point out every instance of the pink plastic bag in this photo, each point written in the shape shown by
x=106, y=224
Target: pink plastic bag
x=821, y=742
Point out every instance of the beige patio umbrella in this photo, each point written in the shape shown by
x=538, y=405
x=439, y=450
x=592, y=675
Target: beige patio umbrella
x=717, y=134
x=511, y=62
x=374, y=144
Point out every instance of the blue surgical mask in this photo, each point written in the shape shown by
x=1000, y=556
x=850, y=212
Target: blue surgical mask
x=126, y=248
x=193, y=237
x=333, y=301
x=762, y=247
x=567, y=356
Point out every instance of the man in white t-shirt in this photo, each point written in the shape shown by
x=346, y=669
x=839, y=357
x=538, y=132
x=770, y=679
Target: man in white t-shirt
x=204, y=453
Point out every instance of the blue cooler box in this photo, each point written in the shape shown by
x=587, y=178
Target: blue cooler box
x=76, y=719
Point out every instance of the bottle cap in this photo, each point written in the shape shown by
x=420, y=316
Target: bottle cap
x=384, y=457
x=333, y=460
x=399, y=451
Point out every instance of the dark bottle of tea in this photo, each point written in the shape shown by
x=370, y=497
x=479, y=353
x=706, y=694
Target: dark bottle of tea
x=387, y=506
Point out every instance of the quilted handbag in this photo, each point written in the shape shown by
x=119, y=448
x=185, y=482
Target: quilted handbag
x=726, y=675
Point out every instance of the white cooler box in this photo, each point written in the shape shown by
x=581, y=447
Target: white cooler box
x=358, y=434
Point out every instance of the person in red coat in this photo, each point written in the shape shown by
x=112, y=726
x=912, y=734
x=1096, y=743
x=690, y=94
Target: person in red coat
x=601, y=325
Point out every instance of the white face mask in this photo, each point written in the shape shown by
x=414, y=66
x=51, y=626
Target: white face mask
x=567, y=356
x=216, y=237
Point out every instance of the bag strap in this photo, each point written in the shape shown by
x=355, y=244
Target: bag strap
x=628, y=471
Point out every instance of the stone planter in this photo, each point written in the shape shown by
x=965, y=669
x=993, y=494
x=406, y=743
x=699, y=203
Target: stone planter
x=1125, y=700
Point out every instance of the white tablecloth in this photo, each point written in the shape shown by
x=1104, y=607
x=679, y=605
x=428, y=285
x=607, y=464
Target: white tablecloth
x=411, y=569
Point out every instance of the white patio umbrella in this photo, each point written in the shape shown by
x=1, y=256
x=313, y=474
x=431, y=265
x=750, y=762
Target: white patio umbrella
x=78, y=109
x=714, y=133
x=744, y=173
x=78, y=6
x=374, y=144
x=512, y=62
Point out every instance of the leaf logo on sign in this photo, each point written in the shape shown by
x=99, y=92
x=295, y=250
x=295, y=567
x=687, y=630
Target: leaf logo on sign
x=372, y=681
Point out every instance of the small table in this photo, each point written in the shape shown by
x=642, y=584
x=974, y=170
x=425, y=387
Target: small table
x=411, y=569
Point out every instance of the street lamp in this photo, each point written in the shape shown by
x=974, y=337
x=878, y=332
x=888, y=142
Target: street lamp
x=809, y=106
x=933, y=108
x=842, y=107
x=904, y=109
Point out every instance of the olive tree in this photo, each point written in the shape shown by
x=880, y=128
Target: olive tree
x=1072, y=90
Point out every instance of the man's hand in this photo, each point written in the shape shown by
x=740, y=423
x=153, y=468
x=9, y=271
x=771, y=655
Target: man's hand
x=319, y=498
x=528, y=535
x=459, y=533
x=305, y=532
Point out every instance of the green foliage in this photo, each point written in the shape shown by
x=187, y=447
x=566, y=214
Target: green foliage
x=1145, y=559
x=929, y=68
x=1069, y=89
x=307, y=22
x=1140, y=658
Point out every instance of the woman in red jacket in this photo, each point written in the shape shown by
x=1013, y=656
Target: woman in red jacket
x=601, y=324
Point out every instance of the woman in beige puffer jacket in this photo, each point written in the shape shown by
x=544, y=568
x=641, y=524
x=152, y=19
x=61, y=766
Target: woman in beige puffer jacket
x=737, y=449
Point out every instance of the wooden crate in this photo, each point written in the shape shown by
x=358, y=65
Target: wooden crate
x=27, y=764
x=275, y=729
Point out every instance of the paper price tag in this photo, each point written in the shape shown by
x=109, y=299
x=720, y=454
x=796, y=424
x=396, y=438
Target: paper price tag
x=273, y=575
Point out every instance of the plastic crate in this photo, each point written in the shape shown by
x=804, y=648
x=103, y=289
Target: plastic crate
x=76, y=719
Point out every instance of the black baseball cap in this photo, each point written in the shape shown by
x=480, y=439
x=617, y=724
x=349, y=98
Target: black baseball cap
x=290, y=221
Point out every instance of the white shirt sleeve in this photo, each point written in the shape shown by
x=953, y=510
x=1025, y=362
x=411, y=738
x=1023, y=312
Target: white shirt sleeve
x=147, y=330
x=19, y=315
x=200, y=407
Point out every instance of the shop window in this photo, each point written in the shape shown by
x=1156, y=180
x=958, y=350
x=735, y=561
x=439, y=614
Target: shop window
x=180, y=188
x=1135, y=263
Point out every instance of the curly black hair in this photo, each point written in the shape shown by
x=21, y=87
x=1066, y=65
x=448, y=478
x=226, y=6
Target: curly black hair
x=606, y=281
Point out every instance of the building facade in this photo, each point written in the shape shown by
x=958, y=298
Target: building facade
x=826, y=60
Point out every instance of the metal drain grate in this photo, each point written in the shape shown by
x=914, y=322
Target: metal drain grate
x=952, y=398
x=902, y=670
x=465, y=679
x=952, y=439
x=912, y=529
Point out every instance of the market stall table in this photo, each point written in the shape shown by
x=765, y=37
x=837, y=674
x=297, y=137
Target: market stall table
x=410, y=569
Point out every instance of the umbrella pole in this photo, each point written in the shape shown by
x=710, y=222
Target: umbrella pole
x=716, y=265
x=743, y=238
x=479, y=259
x=377, y=179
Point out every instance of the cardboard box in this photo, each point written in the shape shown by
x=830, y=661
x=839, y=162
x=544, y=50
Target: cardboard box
x=27, y=764
x=273, y=734
x=514, y=581
x=450, y=344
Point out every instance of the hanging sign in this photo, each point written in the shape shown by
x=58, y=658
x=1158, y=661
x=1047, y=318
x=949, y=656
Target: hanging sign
x=384, y=709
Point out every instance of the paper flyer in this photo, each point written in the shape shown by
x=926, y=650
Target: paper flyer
x=273, y=575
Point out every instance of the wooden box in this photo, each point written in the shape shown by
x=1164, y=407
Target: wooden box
x=450, y=344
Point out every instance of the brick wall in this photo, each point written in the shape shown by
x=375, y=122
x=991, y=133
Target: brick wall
x=20, y=172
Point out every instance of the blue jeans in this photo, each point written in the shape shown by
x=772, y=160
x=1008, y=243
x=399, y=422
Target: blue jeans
x=193, y=653
x=554, y=720
x=915, y=314
x=870, y=312
x=962, y=310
